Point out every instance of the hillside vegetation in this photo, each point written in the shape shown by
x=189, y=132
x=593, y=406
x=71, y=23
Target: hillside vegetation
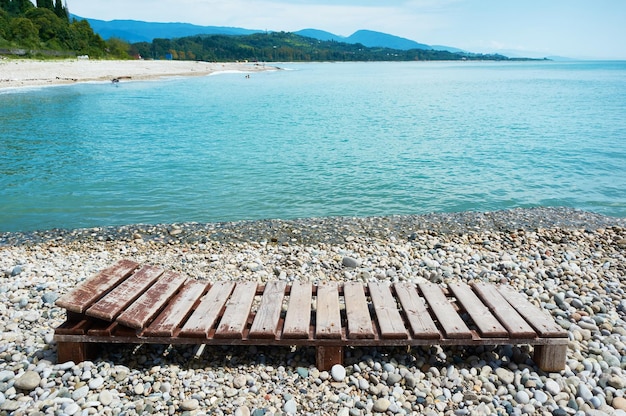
x=46, y=30
x=284, y=46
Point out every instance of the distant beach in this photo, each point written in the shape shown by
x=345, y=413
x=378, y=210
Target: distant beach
x=35, y=73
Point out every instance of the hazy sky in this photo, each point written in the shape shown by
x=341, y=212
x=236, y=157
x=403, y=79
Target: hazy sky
x=572, y=28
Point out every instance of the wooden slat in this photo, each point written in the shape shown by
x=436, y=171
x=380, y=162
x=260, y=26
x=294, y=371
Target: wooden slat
x=298, y=317
x=177, y=309
x=387, y=314
x=92, y=289
x=204, y=317
x=152, y=301
x=124, y=294
x=506, y=314
x=422, y=325
x=487, y=324
x=450, y=321
x=541, y=321
x=237, y=311
x=357, y=311
x=265, y=323
x=328, y=316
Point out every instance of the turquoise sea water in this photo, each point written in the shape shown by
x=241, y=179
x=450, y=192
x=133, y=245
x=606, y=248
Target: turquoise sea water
x=314, y=140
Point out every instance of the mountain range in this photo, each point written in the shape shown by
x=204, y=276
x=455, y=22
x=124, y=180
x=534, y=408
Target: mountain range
x=134, y=31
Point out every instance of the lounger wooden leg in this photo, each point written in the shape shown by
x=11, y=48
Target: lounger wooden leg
x=550, y=358
x=327, y=356
x=75, y=351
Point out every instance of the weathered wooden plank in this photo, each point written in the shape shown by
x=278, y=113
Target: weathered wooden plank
x=152, y=301
x=176, y=310
x=543, y=323
x=487, y=324
x=550, y=358
x=92, y=289
x=357, y=311
x=111, y=305
x=237, y=311
x=298, y=318
x=506, y=314
x=422, y=324
x=265, y=324
x=328, y=316
x=387, y=314
x=204, y=317
x=450, y=321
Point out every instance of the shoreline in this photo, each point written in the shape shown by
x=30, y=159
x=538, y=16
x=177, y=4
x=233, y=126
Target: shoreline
x=24, y=73
x=327, y=229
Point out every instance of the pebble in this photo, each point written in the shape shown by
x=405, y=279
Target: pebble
x=28, y=381
x=506, y=376
x=190, y=404
x=619, y=403
x=290, y=407
x=338, y=372
x=381, y=405
x=574, y=272
x=552, y=387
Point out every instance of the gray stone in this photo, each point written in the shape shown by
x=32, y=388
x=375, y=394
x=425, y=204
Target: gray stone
x=290, y=407
x=338, y=372
x=16, y=270
x=242, y=411
x=393, y=378
x=71, y=409
x=6, y=375
x=381, y=405
x=28, y=381
x=584, y=392
x=552, y=387
x=506, y=376
x=96, y=383
x=239, y=381
x=189, y=405
x=540, y=396
x=105, y=397
x=80, y=393
x=50, y=297
x=350, y=262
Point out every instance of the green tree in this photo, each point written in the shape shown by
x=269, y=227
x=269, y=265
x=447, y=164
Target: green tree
x=118, y=48
x=47, y=23
x=4, y=24
x=22, y=6
x=60, y=10
x=24, y=32
x=46, y=4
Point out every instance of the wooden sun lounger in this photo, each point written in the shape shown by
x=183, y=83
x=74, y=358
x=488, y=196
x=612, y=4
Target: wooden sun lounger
x=129, y=304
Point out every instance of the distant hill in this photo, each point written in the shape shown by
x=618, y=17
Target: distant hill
x=138, y=31
x=373, y=39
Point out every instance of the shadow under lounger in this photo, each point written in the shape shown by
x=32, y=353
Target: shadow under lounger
x=126, y=303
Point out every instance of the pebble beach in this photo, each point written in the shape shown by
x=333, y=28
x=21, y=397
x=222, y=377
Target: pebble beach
x=21, y=73
x=570, y=263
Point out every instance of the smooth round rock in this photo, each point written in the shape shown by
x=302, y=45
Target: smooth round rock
x=188, y=405
x=290, y=407
x=28, y=381
x=338, y=372
x=381, y=405
x=105, y=397
x=619, y=403
x=552, y=387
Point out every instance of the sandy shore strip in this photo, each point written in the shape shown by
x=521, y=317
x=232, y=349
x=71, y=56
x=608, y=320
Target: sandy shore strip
x=34, y=73
x=570, y=263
